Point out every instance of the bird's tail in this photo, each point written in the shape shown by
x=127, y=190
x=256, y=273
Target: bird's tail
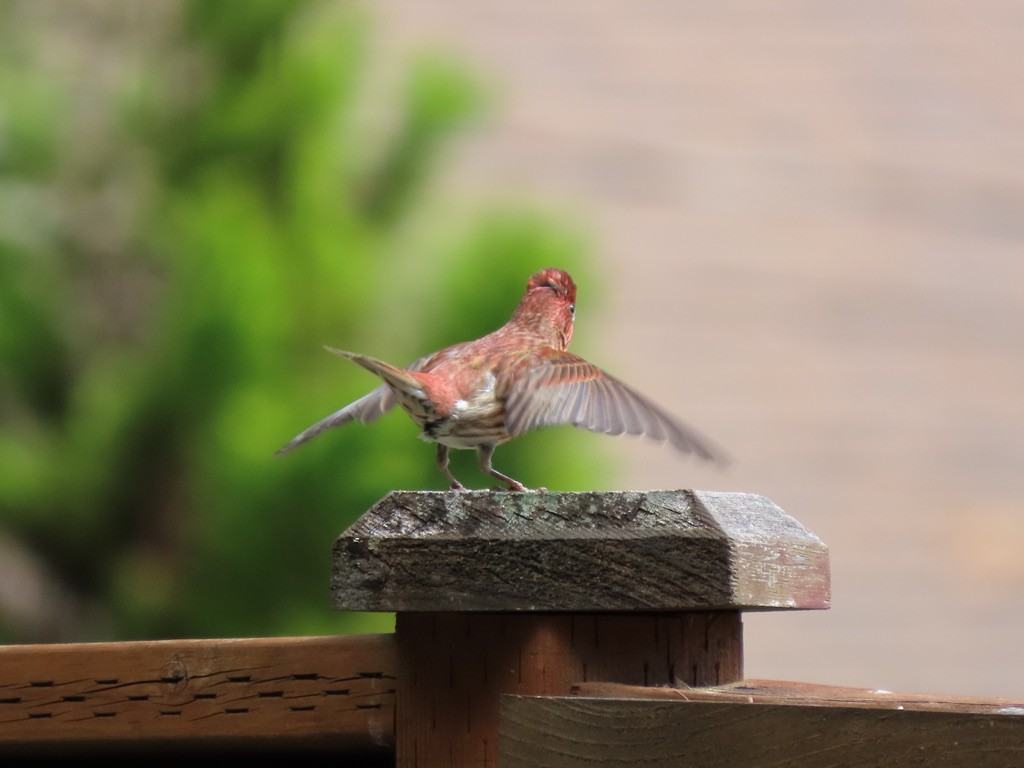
x=396, y=378
x=337, y=418
x=366, y=409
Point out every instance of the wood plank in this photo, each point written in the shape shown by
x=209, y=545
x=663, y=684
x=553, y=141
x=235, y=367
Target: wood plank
x=282, y=692
x=578, y=552
x=573, y=732
x=786, y=692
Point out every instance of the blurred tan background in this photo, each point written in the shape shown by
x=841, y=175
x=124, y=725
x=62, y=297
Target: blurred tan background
x=810, y=218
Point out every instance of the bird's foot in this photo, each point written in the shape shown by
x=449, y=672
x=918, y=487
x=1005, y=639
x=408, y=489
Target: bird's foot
x=511, y=488
x=457, y=487
x=517, y=487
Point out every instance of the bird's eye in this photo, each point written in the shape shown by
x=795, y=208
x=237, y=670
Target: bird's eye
x=572, y=309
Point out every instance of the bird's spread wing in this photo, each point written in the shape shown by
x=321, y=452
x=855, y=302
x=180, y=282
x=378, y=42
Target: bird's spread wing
x=367, y=408
x=566, y=389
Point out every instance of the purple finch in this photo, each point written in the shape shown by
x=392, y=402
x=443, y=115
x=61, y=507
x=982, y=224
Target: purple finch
x=480, y=394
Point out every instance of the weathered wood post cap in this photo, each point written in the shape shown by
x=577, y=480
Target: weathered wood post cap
x=622, y=551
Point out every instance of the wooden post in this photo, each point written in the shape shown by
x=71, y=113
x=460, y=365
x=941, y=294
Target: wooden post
x=531, y=594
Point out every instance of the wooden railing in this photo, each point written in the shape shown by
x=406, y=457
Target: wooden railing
x=273, y=693
x=531, y=630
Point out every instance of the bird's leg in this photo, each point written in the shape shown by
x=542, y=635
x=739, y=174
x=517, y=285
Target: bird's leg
x=484, y=454
x=442, y=464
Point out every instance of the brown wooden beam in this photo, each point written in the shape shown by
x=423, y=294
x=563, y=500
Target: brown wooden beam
x=573, y=732
x=282, y=693
x=786, y=692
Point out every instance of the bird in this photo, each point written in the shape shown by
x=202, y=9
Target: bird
x=478, y=394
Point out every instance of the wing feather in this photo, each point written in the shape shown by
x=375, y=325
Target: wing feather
x=566, y=389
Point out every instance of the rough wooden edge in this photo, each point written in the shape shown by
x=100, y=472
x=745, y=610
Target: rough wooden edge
x=776, y=562
x=582, y=552
x=578, y=732
x=287, y=693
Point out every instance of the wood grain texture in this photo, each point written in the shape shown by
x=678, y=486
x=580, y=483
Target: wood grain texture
x=280, y=692
x=575, y=732
x=454, y=667
x=786, y=692
x=643, y=551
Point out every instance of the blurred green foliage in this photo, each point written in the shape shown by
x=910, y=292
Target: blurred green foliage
x=170, y=267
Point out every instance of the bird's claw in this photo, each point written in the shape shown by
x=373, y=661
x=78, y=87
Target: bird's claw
x=515, y=487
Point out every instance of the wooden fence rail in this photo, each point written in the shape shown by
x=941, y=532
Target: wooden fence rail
x=573, y=732
x=532, y=630
x=274, y=693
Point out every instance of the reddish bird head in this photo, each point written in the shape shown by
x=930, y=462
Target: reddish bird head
x=555, y=279
x=549, y=306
